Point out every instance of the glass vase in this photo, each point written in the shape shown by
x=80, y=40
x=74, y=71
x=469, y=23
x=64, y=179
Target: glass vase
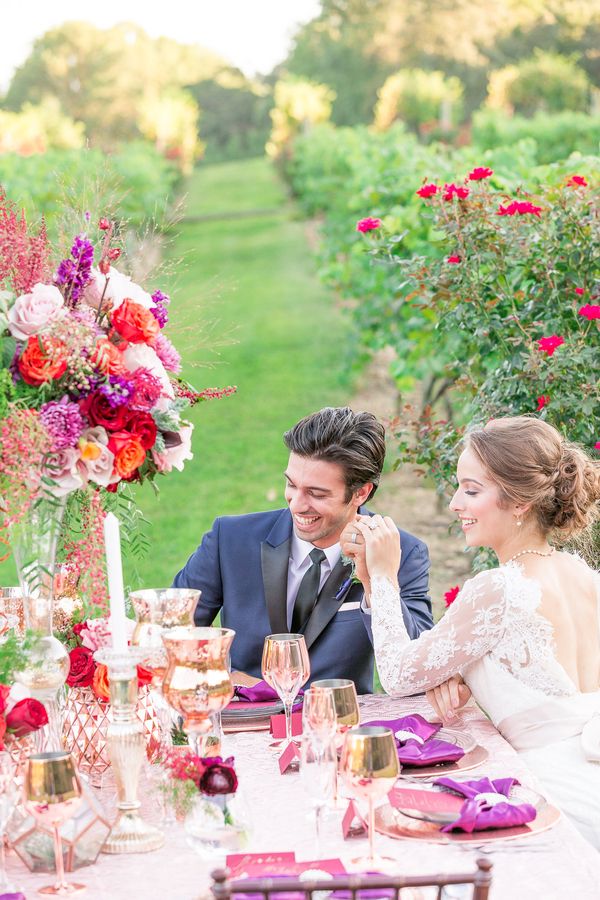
x=34, y=539
x=217, y=824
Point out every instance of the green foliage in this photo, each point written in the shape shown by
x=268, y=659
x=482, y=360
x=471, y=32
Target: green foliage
x=548, y=82
x=170, y=121
x=36, y=128
x=556, y=135
x=419, y=98
x=14, y=655
x=299, y=105
x=135, y=183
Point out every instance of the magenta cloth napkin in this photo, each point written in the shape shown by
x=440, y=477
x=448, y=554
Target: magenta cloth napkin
x=412, y=752
x=261, y=692
x=17, y=896
x=478, y=813
x=277, y=895
x=365, y=893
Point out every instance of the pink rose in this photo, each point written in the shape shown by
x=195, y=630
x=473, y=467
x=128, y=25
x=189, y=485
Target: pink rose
x=61, y=467
x=178, y=446
x=142, y=356
x=33, y=312
x=96, y=461
x=96, y=633
x=119, y=288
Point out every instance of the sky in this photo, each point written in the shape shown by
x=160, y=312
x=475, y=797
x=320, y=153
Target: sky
x=253, y=35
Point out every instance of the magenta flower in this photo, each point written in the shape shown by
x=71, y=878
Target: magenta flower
x=549, y=344
x=577, y=181
x=580, y=292
x=589, y=311
x=542, y=401
x=63, y=421
x=167, y=353
x=480, y=172
x=455, y=190
x=597, y=445
x=428, y=190
x=453, y=259
x=368, y=224
x=520, y=208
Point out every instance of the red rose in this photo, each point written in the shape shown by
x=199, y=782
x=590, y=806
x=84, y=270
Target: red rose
x=597, y=445
x=129, y=453
x=368, y=224
x=428, y=190
x=455, y=190
x=134, y=322
x=577, y=181
x=580, y=292
x=103, y=224
x=451, y=595
x=96, y=408
x=42, y=360
x=143, y=426
x=26, y=716
x=589, y=311
x=4, y=692
x=455, y=259
x=218, y=777
x=542, y=401
x=82, y=667
x=480, y=172
x=549, y=344
x=144, y=675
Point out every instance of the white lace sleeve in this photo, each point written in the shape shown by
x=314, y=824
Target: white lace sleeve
x=471, y=626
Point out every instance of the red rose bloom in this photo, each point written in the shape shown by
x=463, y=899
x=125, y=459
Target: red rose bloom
x=453, y=259
x=549, y=344
x=144, y=676
x=368, y=224
x=577, y=181
x=103, y=224
x=129, y=453
x=4, y=692
x=218, y=777
x=519, y=207
x=455, y=190
x=597, y=445
x=134, y=322
x=96, y=408
x=589, y=311
x=142, y=425
x=428, y=190
x=542, y=401
x=480, y=172
x=82, y=667
x=451, y=595
x=580, y=292
x=42, y=360
x=26, y=716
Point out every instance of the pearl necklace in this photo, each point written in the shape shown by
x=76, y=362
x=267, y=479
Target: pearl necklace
x=536, y=552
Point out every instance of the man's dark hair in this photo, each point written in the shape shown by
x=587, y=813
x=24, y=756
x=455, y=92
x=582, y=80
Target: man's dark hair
x=355, y=441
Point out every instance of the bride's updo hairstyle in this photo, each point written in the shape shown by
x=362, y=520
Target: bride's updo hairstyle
x=534, y=466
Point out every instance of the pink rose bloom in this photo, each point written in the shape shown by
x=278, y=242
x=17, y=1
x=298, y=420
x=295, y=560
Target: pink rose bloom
x=141, y=355
x=96, y=460
x=175, y=454
x=62, y=469
x=97, y=634
x=33, y=312
x=118, y=289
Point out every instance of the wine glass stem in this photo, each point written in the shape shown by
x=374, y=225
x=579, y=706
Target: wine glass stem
x=287, y=705
x=371, y=829
x=60, y=869
x=3, y=876
x=53, y=736
x=318, y=814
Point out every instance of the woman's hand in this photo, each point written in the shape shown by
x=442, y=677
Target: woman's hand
x=381, y=546
x=353, y=546
x=449, y=696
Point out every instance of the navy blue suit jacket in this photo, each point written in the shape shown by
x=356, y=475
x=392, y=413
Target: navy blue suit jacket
x=241, y=567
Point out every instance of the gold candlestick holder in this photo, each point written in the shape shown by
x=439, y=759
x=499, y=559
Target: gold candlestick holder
x=126, y=744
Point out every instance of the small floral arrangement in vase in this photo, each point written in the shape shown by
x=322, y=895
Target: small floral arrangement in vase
x=19, y=720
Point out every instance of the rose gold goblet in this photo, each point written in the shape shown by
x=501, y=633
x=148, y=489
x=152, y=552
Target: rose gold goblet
x=369, y=767
x=52, y=795
x=197, y=682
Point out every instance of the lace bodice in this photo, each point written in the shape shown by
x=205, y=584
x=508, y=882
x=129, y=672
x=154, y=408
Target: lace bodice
x=495, y=616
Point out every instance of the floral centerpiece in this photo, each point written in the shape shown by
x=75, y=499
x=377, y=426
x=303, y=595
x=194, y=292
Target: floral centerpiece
x=189, y=777
x=90, y=394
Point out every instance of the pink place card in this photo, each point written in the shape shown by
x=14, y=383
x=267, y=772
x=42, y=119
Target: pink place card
x=240, y=863
x=289, y=756
x=278, y=725
x=425, y=801
x=353, y=823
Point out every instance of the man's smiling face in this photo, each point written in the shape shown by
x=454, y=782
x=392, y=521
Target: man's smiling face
x=316, y=494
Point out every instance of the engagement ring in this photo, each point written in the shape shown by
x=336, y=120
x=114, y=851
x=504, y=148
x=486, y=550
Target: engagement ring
x=354, y=536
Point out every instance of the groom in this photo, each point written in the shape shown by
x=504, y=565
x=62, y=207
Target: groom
x=281, y=571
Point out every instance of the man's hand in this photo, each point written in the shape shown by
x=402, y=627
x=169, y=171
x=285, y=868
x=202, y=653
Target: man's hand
x=449, y=696
x=353, y=547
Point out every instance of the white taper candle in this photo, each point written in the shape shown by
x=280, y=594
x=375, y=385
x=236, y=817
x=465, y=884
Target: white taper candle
x=114, y=571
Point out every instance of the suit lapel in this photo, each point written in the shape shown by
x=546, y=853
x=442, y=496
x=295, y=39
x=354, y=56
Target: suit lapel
x=274, y=558
x=327, y=605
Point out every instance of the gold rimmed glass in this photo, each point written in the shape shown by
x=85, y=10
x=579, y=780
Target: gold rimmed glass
x=369, y=767
x=286, y=667
x=347, y=714
x=52, y=795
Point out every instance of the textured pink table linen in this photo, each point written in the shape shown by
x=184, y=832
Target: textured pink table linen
x=555, y=864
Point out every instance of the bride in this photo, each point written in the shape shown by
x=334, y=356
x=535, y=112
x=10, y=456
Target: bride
x=525, y=636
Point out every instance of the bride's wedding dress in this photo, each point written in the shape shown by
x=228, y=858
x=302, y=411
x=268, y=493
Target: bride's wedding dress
x=494, y=636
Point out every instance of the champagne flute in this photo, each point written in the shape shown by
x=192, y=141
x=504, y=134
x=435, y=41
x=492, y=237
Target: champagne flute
x=346, y=711
x=318, y=715
x=318, y=765
x=286, y=667
x=369, y=767
x=8, y=801
x=52, y=795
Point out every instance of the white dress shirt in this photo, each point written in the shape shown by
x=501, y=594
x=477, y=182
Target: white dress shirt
x=299, y=564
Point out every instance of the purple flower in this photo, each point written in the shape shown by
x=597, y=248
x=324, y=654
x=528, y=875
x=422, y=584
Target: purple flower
x=160, y=310
x=167, y=353
x=75, y=273
x=117, y=390
x=63, y=421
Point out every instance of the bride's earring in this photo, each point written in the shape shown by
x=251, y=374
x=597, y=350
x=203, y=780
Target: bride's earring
x=518, y=521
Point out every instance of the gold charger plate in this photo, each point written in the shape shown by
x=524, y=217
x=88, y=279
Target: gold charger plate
x=475, y=754
x=394, y=824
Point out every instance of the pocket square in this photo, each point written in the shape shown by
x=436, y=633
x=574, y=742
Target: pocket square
x=345, y=607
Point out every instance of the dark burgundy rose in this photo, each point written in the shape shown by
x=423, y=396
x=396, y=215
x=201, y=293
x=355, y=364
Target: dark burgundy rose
x=218, y=777
x=26, y=716
x=82, y=667
x=143, y=425
x=96, y=408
